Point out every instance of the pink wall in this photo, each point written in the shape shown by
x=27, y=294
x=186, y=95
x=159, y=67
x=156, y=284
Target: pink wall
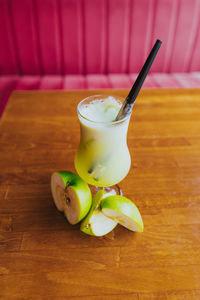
x=97, y=36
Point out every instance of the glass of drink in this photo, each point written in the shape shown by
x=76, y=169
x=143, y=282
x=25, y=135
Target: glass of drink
x=102, y=158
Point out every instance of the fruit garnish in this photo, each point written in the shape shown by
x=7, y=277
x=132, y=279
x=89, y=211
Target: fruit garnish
x=71, y=195
x=122, y=210
x=96, y=223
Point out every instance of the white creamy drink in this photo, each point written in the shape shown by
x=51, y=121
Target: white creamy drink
x=102, y=158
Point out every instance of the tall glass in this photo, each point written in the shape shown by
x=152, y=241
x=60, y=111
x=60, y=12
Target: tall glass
x=102, y=158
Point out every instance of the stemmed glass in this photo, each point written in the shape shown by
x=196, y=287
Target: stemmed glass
x=102, y=158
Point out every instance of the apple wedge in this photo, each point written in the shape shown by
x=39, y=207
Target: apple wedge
x=96, y=223
x=122, y=210
x=71, y=195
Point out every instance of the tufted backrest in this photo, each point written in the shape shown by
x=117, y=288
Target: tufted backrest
x=97, y=36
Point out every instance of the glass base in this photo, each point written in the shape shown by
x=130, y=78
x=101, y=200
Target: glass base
x=109, y=190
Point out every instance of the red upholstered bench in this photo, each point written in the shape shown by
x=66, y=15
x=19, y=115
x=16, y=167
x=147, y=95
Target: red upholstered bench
x=92, y=44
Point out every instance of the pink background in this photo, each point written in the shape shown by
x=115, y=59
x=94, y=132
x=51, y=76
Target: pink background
x=78, y=44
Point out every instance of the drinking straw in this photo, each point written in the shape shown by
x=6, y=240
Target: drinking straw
x=130, y=99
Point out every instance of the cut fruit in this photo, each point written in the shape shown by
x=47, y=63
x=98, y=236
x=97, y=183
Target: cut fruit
x=123, y=211
x=71, y=195
x=96, y=223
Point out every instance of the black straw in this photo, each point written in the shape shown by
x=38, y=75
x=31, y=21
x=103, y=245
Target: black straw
x=130, y=99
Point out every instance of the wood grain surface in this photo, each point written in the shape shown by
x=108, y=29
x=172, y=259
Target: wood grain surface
x=44, y=257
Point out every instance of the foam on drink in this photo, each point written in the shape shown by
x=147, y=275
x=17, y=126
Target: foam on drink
x=101, y=110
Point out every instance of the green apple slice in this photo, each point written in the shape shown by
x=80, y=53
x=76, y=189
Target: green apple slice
x=71, y=195
x=96, y=223
x=123, y=211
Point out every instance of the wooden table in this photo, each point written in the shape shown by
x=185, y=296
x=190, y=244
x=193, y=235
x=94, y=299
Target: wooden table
x=44, y=257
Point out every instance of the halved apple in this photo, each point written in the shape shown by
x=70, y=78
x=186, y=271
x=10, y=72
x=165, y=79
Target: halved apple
x=122, y=210
x=71, y=195
x=96, y=223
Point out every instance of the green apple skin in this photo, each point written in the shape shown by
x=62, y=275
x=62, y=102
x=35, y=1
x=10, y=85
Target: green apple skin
x=82, y=190
x=123, y=206
x=85, y=224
